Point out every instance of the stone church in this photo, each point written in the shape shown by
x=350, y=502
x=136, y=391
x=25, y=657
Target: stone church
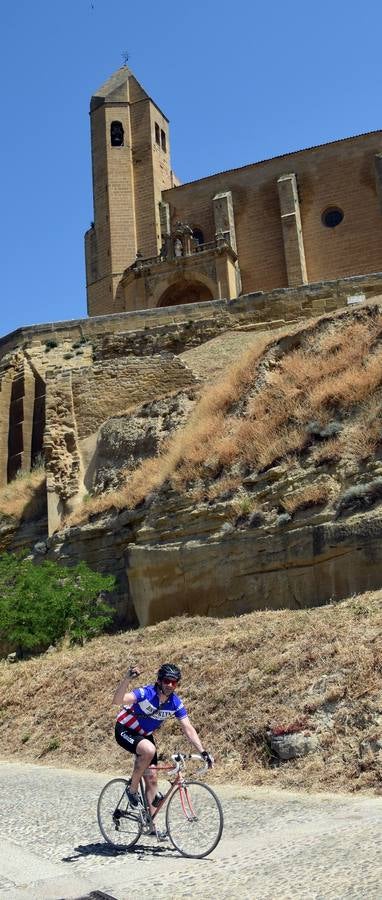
x=309, y=216
x=171, y=267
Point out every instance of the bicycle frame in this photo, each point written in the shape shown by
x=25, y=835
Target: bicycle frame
x=178, y=782
x=194, y=827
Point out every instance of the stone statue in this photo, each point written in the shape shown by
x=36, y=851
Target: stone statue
x=178, y=247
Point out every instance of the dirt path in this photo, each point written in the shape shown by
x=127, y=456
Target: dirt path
x=212, y=359
x=275, y=845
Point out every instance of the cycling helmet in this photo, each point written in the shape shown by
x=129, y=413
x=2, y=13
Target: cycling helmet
x=169, y=670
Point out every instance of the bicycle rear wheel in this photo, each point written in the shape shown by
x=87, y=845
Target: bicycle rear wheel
x=194, y=819
x=119, y=823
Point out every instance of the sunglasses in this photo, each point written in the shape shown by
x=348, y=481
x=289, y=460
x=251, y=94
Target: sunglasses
x=169, y=681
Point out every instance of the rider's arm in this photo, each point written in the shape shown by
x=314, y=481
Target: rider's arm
x=122, y=695
x=191, y=733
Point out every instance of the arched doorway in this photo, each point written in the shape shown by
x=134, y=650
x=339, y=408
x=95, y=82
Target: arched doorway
x=185, y=292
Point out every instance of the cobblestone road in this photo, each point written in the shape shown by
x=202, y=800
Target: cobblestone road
x=274, y=845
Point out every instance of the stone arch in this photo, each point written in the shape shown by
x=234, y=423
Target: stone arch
x=187, y=290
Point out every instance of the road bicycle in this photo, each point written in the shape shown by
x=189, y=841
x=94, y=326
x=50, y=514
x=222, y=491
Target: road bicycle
x=194, y=816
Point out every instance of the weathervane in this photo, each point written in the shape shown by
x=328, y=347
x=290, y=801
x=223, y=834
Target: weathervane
x=125, y=57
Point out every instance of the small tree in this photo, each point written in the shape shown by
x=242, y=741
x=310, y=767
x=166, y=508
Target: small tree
x=39, y=604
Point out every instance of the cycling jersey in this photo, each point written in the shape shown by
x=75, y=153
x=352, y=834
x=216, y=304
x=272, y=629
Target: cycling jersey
x=148, y=714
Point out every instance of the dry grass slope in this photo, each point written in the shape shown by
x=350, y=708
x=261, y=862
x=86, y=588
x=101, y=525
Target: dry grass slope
x=242, y=675
x=313, y=396
x=24, y=498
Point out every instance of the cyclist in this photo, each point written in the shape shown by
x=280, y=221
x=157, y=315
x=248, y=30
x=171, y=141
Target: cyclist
x=143, y=711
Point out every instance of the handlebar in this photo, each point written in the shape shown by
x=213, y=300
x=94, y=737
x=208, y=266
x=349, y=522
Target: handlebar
x=180, y=762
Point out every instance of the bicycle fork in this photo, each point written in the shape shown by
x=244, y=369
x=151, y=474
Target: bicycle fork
x=185, y=800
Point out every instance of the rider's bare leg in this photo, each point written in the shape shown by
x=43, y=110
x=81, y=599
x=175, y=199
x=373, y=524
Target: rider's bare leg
x=151, y=781
x=144, y=754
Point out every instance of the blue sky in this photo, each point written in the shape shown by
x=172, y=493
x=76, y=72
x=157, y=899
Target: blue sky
x=240, y=81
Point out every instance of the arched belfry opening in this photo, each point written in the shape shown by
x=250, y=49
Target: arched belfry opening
x=185, y=292
x=117, y=134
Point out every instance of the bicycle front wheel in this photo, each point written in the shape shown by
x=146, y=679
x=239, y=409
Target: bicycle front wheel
x=119, y=823
x=194, y=819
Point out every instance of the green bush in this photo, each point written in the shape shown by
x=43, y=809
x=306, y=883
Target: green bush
x=49, y=345
x=39, y=604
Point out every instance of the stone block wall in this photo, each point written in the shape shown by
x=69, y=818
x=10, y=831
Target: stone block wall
x=341, y=174
x=110, y=388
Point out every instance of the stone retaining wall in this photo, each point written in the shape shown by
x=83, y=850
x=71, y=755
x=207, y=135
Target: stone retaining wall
x=110, y=388
x=283, y=303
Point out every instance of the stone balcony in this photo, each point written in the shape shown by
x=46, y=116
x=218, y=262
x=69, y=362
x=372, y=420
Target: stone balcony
x=206, y=271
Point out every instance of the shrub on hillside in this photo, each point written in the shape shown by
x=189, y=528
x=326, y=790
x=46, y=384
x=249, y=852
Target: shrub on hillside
x=331, y=430
x=39, y=604
x=360, y=496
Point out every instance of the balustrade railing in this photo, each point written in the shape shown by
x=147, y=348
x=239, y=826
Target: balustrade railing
x=210, y=245
x=148, y=261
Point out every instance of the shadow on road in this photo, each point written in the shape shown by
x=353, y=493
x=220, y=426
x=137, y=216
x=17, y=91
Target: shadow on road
x=103, y=851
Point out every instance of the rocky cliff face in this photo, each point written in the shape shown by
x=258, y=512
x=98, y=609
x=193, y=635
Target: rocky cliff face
x=205, y=565
x=175, y=556
x=272, y=500
x=125, y=441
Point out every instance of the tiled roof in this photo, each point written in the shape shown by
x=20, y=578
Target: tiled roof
x=281, y=156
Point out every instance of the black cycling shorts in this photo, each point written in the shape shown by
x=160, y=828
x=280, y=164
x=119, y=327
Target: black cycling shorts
x=129, y=740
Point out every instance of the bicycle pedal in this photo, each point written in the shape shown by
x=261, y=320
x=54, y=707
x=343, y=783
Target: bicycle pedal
x=160, y=835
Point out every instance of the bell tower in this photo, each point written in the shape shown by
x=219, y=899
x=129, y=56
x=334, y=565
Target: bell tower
x=131, y=167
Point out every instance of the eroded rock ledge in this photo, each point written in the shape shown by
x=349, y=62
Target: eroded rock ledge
x=173, y=556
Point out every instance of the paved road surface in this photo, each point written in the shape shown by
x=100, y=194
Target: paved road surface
x=275, y=846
